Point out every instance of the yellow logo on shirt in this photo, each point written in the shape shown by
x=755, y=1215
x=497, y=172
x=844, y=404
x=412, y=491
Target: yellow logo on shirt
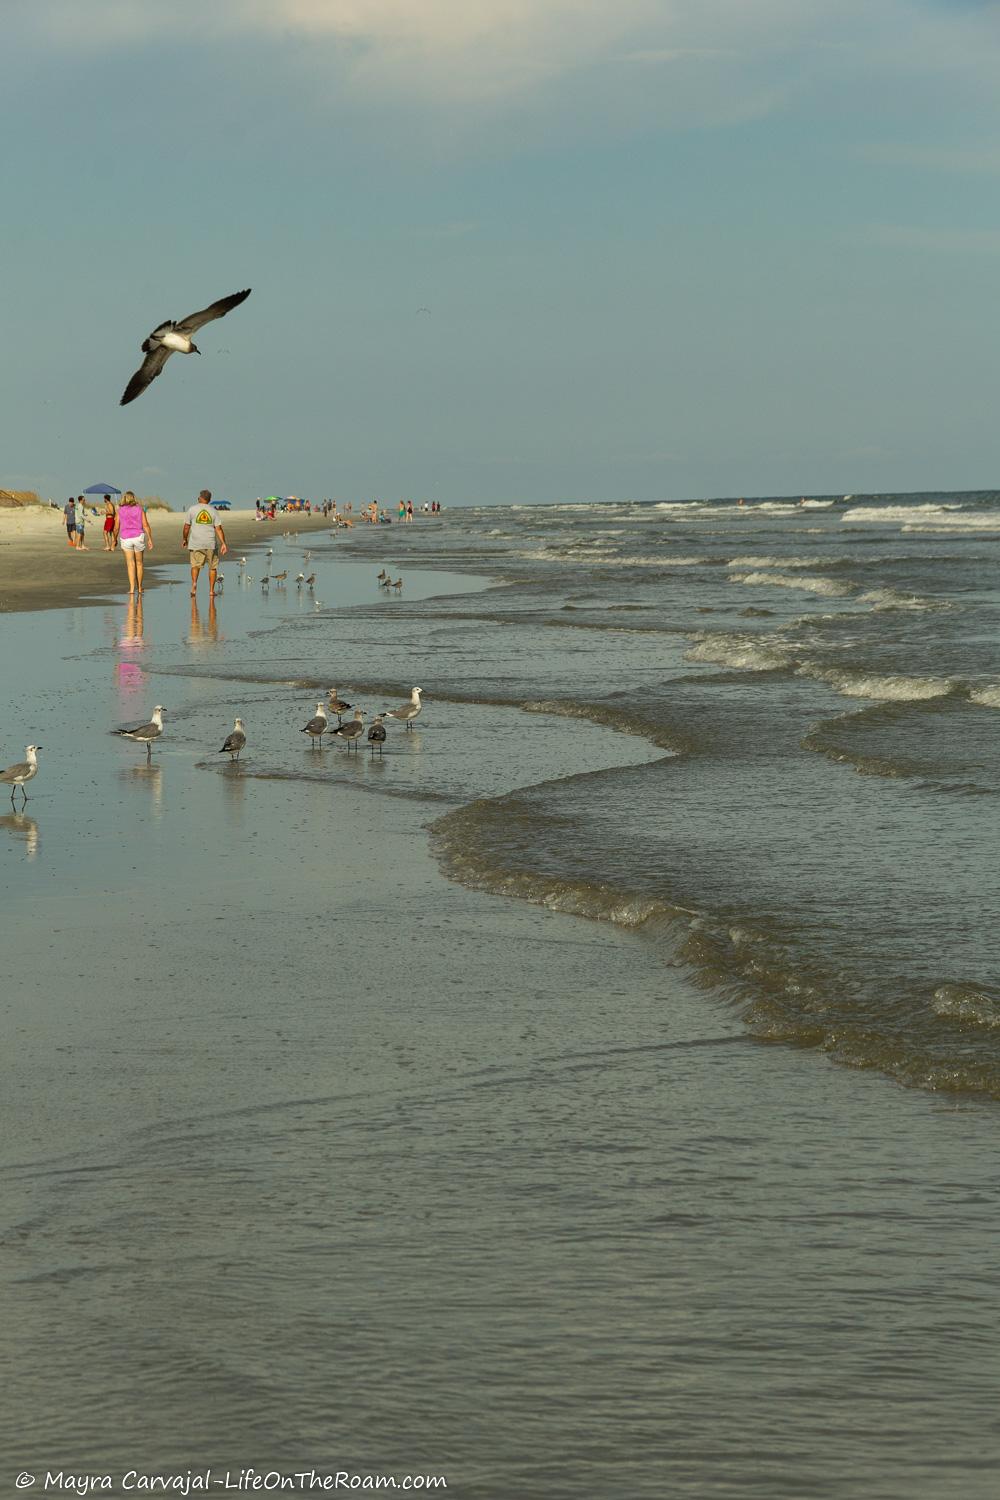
x=204, y=518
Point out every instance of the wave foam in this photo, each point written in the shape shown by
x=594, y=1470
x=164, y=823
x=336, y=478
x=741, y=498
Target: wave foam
x=828, y=586
x=886, y=689
x=740, y=651
x=963, y=1002
x=986, y=697
x=777, y=562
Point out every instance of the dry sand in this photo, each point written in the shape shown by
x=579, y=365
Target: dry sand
x=39, y=569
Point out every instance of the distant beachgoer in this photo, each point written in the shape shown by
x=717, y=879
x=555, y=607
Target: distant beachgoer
x=205, y=540
x=109, y=524
x=81, y=522
x=409, y=510
x=69, y=511
x=402, y=510
x=132, y=533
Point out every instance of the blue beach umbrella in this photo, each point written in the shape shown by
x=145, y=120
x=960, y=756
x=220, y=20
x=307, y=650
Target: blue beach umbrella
x=102, y=489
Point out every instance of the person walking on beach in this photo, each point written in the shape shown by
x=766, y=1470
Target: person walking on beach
x=109, y=524
x=81, y=522
x=133, y=533
x=205, y=540
x=69, y=511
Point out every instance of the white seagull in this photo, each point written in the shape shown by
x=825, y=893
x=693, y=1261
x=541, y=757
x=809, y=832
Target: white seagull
x=16, y=776
x=145, y=734
x=170, y=338
x=406, y=712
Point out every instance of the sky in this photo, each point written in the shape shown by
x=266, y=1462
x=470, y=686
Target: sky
x=503, y=250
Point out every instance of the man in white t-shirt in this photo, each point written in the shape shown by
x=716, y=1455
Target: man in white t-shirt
x=205, y=540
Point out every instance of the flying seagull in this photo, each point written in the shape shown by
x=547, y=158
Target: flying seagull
x=163, y=341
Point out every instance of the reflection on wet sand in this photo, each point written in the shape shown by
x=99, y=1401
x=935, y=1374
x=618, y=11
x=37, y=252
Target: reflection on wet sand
x=132, y=630
x=130, y=675
x=21, y=826
x=152, y=775
x=201, y=633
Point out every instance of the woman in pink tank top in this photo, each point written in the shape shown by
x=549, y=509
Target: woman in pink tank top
x=133, y=533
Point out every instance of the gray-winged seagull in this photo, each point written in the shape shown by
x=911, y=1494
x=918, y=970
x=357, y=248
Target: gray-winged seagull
x=16, y=776
x=376, y=735
x=406, y=712
x=352, y=730
x=145, y=734
x=317, y=726
x=234, y=742
x=175, y=338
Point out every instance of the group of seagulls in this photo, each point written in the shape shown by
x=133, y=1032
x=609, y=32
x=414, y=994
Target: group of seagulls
x=351, y=732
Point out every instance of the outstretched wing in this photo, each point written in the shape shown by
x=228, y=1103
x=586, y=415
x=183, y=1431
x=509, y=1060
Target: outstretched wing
x=218, y=309
x=147, y=371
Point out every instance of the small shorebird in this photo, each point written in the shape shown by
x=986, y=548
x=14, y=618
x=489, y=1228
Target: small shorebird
x=234, y=742
x=220, y=582
x=336, y=705
x=352, y=730
x=398, y=585
x=16, y=776
x=383, y=577
x=280, y=577
x=170, y=338
x=317, y=726
x=406, y=712
x=145, y=734
x=311, y=581
x=300, y=579
x=242, y=563
x=265, y=582
x=376, y=735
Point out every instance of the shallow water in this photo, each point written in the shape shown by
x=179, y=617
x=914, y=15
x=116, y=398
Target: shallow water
x=313, y=1158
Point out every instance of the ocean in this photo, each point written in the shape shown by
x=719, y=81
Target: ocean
x=594, y=1096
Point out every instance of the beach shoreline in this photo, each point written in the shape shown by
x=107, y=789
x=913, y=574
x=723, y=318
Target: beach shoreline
x=41, y=571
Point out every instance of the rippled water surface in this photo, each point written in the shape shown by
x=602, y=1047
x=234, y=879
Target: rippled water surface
x=314, y=1157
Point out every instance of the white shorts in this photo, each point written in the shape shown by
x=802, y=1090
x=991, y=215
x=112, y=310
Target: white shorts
x=133, y=543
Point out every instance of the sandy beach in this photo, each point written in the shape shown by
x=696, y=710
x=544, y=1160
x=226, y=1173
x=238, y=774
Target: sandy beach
x=39, y=570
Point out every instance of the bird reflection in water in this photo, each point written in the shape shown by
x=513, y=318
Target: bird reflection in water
x=20, y=826
x=202, y=633
x=149, y=774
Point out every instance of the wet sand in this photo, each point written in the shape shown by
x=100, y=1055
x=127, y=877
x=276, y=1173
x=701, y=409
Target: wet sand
x=312, y=1158
x=40, y=570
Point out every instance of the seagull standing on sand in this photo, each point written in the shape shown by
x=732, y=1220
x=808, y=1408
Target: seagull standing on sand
x=145, y=734
x=172, y=338
x=376, y=735
x=16, y=776
x=406, y=712
x=234, y=742
x=317, y=726
x=336, y=705
x=352, y=730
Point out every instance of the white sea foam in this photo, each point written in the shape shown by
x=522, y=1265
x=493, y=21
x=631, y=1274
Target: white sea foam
x=829, y=586
x=967, y=521
x=986, y=697
x=963, y=1002
x=893, y=599
x=886, y=513
x=744, y=652
x=777, y=562
x=889, y=689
